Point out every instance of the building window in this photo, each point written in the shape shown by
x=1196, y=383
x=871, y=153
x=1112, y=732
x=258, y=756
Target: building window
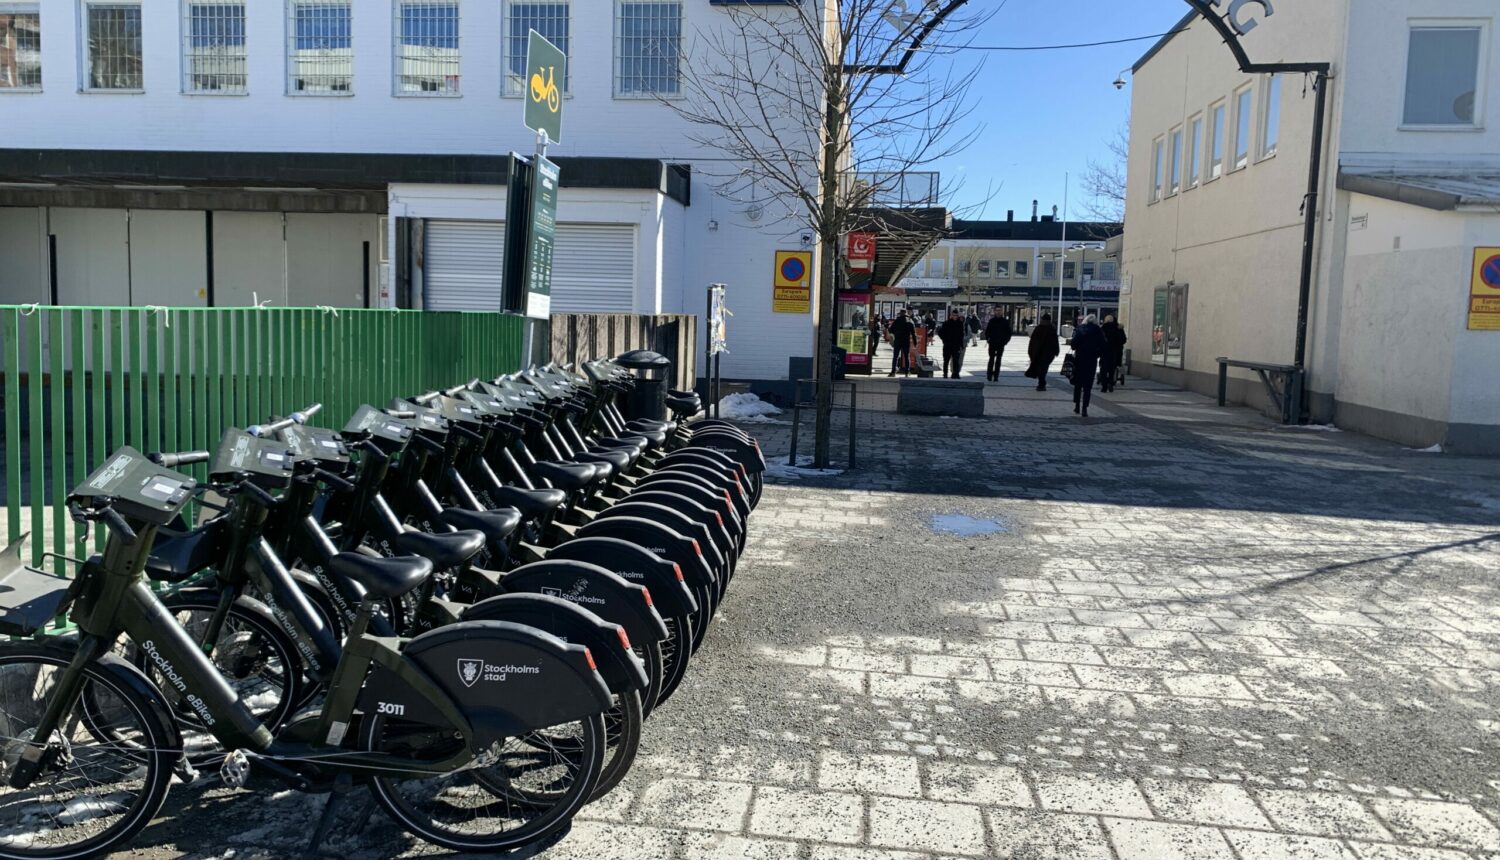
x=20, y=46
x=427, y=60
x=1068, y=271
x=1195, y=152
x=1442, y=76
x=1088, y=271
x=1049, y=270
x=1176, y=162
x=1270, y=117
x=320, y=47
x=112, y=34
x=937, y=268
x=1002, y=268
x=1023, y=269
x=550, y=19
x=1169, y=326
x=1158, y=148
x=213, y=49
x=648, y=45
x=984, y=267
x=1216, y=151
x=1241, y=128
x=964, y=267
x=1108, y=271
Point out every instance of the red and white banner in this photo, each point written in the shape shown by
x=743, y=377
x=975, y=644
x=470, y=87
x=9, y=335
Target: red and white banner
x=861, y=252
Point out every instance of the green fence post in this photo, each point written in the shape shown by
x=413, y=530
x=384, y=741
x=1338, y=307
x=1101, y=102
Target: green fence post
x=10, y=342
x=34, y=467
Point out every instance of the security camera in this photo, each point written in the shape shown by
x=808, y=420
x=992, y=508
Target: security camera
x=1120, y=82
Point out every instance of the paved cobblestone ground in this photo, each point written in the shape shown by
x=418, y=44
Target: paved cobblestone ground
x=1190, y=634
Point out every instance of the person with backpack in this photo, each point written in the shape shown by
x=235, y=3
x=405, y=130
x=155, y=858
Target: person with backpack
x=901, y=333
x=997, y=334
x=1114, y=354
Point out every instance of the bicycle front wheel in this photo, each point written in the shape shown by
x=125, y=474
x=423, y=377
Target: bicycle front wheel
x=105, y=769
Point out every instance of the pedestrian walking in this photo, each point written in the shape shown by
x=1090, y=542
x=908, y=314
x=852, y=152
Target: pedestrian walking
x=1088, y=347
x=997, y=334
x=974, y=327
x=954, y=334
x=1114, y=354
x=901, y=332
x=1042, y=349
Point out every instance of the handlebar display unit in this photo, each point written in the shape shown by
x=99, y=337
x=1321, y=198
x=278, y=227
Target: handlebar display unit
x=136, y=488
x=388, y=432
x=316, y=443
x=428, y=420
x=266, y=463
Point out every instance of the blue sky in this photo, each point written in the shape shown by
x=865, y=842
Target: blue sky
x=1048, y=112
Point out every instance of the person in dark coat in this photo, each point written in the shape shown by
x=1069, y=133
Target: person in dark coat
x=1042, y=349
x=997, y=334
x=1088, y=347
x=901, y=332
x=955, y=335
x=1114, y=353
x=974, y=327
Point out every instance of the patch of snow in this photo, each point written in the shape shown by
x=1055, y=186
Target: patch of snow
x=746, y=407
x=781, y=469
x=1316, y=428
x=87, y=808
x=1435, y=449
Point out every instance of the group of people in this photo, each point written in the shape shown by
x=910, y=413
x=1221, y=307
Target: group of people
x=1098, y=353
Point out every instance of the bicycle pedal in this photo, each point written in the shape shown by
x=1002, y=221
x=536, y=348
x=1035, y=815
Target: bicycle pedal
x=235, y=769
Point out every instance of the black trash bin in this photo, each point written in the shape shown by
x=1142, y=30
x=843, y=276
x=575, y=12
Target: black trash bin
x=649, y=397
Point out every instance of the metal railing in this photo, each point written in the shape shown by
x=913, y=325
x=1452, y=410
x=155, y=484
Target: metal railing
x=80, y=382
x=894, y=188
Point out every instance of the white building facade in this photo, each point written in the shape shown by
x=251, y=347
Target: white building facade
x=332, y=152
x=1409, y=194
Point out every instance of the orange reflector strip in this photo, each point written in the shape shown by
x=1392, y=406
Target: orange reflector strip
x=697, y=550
x=677, y=569
x=589, y=656
x=624, y=637
x=720, y=517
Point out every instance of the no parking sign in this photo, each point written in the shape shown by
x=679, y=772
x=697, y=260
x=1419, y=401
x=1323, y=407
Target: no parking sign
x=1484, y=295
x=792, y=293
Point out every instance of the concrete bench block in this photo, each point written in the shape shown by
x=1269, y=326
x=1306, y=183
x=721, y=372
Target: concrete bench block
x=941, y=397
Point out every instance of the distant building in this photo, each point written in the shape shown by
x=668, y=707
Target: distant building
x=1219, y=164
x=1017, y=268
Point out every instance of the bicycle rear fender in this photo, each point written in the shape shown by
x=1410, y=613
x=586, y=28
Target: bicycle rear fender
x=675, y=520
x=665, y=542
x=744, y=451
x=596, y=589
x=633, y=563
x=621, y=669
x=506, y=679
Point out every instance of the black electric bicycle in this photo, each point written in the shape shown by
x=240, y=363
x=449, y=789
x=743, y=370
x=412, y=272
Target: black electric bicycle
x=88, y=744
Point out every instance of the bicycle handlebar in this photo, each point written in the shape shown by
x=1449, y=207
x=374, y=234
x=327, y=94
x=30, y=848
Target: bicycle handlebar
x=454, y=391
x=427, y=398
x=265, y=498
x=299, y=417
x=181, y=458
x=108, y=515
x=401, y=413
x=465, y=432
x=338, y=481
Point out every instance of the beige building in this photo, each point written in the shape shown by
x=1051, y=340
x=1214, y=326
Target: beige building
x=1410, y=195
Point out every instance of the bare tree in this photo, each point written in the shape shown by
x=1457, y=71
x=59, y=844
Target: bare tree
x=827, y=107
x=1104, y=181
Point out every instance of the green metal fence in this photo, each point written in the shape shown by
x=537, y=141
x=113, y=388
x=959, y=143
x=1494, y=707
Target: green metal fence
x=79, y=382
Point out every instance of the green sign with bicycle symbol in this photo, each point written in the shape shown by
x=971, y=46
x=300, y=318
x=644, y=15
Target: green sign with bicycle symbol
x=546, y=70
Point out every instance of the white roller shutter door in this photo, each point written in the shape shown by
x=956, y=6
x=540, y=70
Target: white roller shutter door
x=593, y=269
x=463, y=266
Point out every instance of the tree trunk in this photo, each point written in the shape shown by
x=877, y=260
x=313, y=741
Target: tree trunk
x=828, y=237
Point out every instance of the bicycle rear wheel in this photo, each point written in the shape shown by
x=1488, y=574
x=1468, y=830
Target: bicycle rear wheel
x=527, y=796
x=105, y=773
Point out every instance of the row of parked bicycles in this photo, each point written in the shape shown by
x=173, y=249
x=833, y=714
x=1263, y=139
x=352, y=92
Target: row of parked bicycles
x=467, y=601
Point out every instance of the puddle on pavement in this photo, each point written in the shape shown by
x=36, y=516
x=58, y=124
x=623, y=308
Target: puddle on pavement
x=961, y=525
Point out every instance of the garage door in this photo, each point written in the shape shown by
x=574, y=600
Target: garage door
x=463, y=265
x=593, y=269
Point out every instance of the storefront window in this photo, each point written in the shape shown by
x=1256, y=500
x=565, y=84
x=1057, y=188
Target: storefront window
x=1169, y=326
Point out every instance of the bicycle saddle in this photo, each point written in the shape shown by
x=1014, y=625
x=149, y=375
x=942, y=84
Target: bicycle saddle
x=570, y=477
x=617, y=460
x=533, y=504
x=443, y=550
x=496, y=525
x=382, y=577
